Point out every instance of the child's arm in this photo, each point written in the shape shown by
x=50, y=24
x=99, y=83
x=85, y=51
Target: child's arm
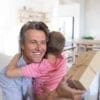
x=12, y=69
x=30, y=70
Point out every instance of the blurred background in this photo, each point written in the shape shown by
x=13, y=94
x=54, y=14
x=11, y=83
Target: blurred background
x=74, y=18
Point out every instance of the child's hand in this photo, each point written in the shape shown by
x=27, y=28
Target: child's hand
x=15, y=59
x=17, y=56
x=12, y=69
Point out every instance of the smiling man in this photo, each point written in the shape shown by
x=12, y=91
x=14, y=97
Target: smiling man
x=33, y=45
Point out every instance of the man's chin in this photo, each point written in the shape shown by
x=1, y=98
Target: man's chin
x=37, y=60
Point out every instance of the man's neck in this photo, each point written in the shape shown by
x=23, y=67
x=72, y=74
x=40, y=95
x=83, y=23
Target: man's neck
x=26, y=60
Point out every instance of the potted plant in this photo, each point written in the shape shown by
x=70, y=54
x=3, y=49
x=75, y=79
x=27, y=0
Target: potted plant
x=88, y=37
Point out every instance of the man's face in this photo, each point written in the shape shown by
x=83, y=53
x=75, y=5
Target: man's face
x=34, y=46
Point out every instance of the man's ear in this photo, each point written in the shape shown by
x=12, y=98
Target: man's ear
x=22, y=46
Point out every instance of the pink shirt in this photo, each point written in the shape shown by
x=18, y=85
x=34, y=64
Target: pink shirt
x=45, y=73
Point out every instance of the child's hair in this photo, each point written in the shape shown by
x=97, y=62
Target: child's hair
x=56, y=43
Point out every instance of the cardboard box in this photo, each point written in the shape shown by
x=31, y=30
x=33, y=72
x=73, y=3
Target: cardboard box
x=95, y=63
x=84, y=70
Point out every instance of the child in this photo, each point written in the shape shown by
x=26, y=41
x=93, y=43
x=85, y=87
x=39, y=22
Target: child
x=49, y=72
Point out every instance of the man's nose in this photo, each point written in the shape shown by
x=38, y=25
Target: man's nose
x=38, y=46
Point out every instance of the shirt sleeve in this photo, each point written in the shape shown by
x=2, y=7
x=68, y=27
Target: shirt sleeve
x=36, y=69
x=14, y=88
x=8, y=87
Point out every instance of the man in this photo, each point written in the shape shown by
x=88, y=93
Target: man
x=33, y=40
x=33, y=46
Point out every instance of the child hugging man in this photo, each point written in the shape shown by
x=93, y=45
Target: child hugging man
x=48, y=73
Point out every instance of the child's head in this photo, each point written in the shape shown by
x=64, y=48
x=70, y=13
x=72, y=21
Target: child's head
x=56, y=43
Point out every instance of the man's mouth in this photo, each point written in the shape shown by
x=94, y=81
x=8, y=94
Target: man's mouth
x=37, y=54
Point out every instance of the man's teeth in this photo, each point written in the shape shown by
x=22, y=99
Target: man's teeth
x=38, y=53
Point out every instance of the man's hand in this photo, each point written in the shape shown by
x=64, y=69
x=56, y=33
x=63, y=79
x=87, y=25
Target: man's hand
x=64, y=90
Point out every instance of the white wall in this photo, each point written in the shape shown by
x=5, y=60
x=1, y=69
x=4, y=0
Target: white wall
x=90, y=18
x=93, y=17
x=8, y=27
x=82, y=17
x=9, y=22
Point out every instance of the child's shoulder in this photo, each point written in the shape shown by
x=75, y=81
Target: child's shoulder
x=61, y=57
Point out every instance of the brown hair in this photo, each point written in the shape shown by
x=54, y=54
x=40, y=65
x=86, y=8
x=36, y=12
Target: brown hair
x=56, y=43
x=33, y=25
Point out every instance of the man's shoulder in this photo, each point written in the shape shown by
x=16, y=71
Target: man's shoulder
x=21, y=62
x=12, y=82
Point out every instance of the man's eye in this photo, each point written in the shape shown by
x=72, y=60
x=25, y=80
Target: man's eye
x=33, y=42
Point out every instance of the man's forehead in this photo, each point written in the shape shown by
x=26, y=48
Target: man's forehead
x=38, y=39
x=33, y=31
